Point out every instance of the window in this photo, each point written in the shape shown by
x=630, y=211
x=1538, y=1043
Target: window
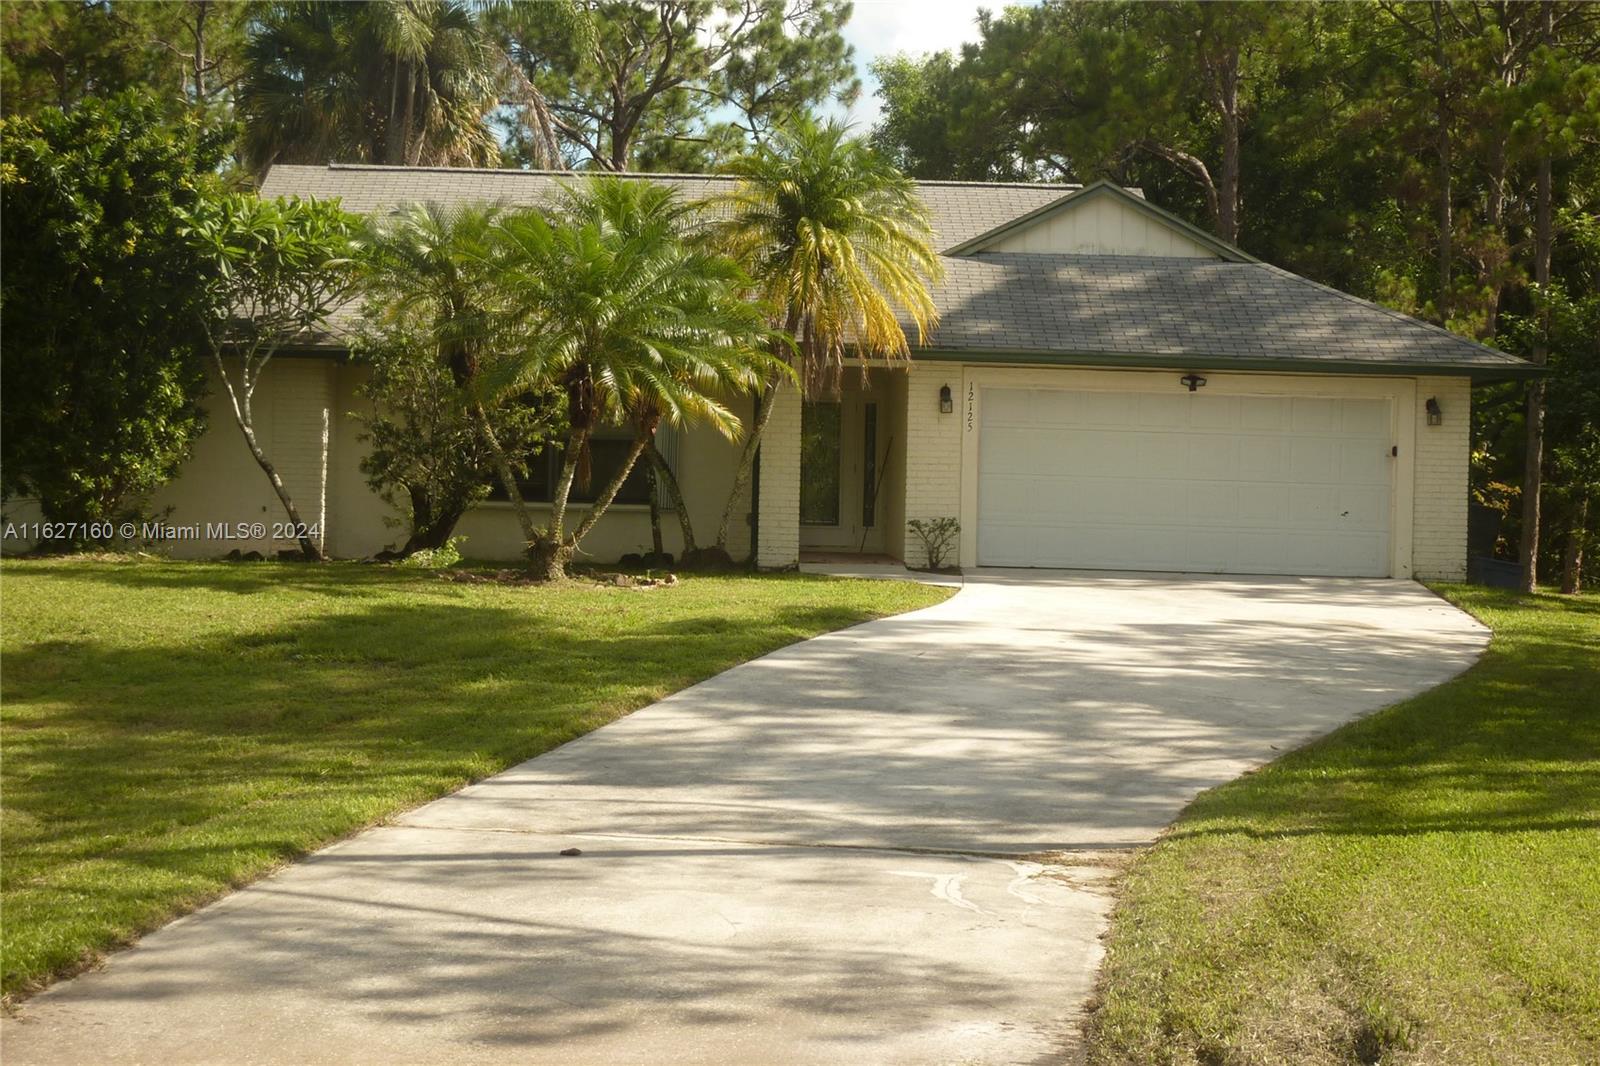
x=606, y=453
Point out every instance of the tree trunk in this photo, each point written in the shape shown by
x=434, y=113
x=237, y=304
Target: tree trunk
x=1228, y=193
x=555, y=532
x=242, y=418
x=747, y=457
x=201, y=8
x=669, y=481
x=307, y=545
x=609, y=493
x=431, y=526
x=1533, y=471
x=658, y=548
x=1445, y=164
x=1572, y=558
x=508, y=480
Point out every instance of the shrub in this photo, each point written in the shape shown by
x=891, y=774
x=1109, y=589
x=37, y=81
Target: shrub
x=938, y=537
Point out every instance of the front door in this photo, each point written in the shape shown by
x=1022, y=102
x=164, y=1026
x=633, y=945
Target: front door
x=839, y=474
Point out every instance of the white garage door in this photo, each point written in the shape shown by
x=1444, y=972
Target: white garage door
x=1184, y=481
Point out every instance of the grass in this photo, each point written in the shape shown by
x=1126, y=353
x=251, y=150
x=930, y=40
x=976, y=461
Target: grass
x=173, y=730
x=1422, y=886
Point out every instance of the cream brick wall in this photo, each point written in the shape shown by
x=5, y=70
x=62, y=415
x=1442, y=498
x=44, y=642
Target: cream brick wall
x=778, y=543
x=1439, y=497
x=932, y=450
x=892, y=497
x=222, y=483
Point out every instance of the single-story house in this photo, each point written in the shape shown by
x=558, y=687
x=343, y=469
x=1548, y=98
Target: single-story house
x=1108, y=388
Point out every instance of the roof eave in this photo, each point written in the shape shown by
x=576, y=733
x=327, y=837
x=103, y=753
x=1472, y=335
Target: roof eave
x=1479, y=373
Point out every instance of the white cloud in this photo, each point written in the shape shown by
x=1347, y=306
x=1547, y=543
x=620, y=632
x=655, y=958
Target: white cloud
x=884, y=27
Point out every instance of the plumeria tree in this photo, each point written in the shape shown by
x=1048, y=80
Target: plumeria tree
x=633, y=321
x=281, y=267
x=837, y=240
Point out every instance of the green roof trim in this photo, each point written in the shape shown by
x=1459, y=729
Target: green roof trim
x=1117, y=360
x=1092, y=191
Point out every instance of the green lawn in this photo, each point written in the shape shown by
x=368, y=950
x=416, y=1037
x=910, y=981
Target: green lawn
x=172, y=730
x=1422, y=886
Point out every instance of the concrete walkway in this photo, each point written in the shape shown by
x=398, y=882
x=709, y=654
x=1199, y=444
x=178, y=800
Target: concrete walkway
x=886, y=845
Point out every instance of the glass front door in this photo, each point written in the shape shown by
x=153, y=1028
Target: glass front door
x=821, y=426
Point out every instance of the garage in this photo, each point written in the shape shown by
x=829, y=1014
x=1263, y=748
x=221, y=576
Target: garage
x=1199, y=482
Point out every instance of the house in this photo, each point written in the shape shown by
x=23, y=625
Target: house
x=1108, y=388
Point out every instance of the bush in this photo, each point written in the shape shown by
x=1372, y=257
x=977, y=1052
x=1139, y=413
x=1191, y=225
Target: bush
x=429, y=459
x=102, y=358
x=443, y=557
x=938, y=537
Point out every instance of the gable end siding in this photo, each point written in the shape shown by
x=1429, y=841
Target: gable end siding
x=1101, y=226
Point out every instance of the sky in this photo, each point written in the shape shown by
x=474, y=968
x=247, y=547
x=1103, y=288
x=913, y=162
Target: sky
x=884, y=27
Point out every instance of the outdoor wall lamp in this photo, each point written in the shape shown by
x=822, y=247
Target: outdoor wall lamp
x=1435, y=416
x=946, y=402
x=1193, y=381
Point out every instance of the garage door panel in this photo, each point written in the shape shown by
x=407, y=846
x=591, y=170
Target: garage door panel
x=1219, y=412
x=1261, y=505
x=1363, y=508
x=1265, y=458
x=1264, y=412
x=1313, y=415
x=1210, y=456
x=1007, y=407
x=1006, y=449
x=1112, y=409
x=1160, y=411
x=1313, y=459
x=1367, y=417
x=1215, y=504
x=1362, y=463
x=1179, y=481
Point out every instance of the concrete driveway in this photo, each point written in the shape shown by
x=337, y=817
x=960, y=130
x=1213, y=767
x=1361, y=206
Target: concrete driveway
x=886, y=845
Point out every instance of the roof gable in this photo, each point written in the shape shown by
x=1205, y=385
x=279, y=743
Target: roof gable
x=1101, y=219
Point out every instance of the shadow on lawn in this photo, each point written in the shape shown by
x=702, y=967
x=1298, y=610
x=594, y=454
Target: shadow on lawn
x=402, y=700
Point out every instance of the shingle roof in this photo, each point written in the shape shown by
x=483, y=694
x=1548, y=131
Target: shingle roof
x=1204, y=310
x=960, y=210
x=1015, y=306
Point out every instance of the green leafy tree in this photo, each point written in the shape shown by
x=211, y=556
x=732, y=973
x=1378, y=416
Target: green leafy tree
x=185, y=53
x=681, y=84
x=837, y=240
x=632, y=321
x=431, y=283
x=402, y=83
x=100, y=296
x=1077, y=88
x=429, y=457
x=56, y=54
x=279, y=268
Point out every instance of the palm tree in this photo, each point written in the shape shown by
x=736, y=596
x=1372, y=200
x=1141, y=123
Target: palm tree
x=401, y=82
x=838, y=239
x=427, y=267
x=633, y=321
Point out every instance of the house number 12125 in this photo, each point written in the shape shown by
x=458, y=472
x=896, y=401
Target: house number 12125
x=972, y=395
